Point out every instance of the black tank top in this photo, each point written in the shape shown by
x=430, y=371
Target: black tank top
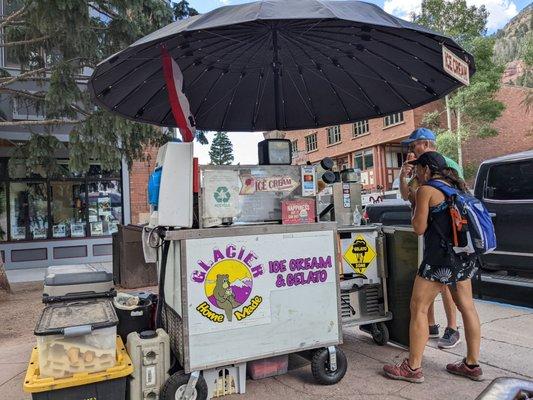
x=438, y=238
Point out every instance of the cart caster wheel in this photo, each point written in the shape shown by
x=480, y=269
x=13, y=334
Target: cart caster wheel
x=380, y=333
x=174, y=388
x=321, y=369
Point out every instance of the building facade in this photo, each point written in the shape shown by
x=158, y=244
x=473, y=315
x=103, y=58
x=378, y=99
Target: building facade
x=374, y=145
x=51, y=219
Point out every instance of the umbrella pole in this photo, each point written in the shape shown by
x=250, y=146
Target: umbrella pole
x=275, y=64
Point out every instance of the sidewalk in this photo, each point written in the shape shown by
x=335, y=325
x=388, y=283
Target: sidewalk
x=506, y=350
x=37, y=274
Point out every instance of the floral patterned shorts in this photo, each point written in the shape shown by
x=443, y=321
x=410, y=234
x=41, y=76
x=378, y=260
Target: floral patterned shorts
x=448, y=275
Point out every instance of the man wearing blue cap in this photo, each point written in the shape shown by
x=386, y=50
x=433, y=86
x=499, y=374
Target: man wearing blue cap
x=419, y=142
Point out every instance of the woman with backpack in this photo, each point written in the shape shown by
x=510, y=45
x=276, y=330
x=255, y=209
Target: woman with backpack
x=441, y=265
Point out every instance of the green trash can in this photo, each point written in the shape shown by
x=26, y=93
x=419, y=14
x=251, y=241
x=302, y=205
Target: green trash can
x=402, y=259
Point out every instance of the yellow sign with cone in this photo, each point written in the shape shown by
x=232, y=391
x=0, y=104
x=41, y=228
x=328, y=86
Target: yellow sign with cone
x=359, y=255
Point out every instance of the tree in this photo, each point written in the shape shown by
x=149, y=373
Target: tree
x=4, y=282
x=221, y=152
x=453, y=18
x=527, y=78
x=475, y=106
x=53, y=41
x=182, y=10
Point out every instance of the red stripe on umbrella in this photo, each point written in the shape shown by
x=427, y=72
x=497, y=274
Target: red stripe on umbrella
x=178, y=101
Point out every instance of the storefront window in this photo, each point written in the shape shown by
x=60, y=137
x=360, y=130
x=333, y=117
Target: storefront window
x=69, y=207
x=18, y=171
x=28, y=202
x=97, y=171
x=358, y=161
x=364, y=160
x=66, y=205
x=105, y=207
x=369, y=159
x=3, y=212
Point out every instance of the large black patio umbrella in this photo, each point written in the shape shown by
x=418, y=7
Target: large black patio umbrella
x=281, y=64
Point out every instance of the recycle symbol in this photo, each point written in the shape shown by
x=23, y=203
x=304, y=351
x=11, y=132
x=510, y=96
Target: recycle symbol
x=222, y=194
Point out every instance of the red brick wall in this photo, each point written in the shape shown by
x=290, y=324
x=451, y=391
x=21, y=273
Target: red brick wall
x=139, y=174
x=515, y=128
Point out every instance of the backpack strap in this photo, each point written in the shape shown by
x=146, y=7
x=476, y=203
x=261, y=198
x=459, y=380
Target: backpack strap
x=446, y=189
x=458, y=221
x=449, y=193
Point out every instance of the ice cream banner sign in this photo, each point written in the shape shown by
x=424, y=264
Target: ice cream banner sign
x=251, y=184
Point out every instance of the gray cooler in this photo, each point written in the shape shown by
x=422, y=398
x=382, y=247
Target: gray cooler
x=73, y=282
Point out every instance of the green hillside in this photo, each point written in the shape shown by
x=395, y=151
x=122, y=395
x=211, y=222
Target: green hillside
x=514, y=48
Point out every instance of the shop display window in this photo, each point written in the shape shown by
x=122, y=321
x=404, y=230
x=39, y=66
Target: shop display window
x=105, y=207
x=68, y=201
x=3, y=212
x=28, y=205
x=66, y=205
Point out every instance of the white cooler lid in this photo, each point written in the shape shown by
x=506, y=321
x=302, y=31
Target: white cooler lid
x=60, y=275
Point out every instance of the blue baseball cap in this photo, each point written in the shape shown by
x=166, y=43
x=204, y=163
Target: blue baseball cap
x=420, y=134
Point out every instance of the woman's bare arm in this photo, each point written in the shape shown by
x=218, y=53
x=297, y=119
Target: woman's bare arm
x=420, y=215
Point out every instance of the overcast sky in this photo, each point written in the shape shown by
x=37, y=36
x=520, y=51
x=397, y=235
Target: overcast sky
x=245, y=143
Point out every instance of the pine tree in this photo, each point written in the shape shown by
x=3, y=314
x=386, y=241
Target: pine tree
x=221, y=152
x=53, y=41
x=182, y=10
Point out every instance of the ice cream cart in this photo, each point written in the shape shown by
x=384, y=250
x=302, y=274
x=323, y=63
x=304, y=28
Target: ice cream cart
x=242, y=286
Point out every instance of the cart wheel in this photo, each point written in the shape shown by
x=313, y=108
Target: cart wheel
x=321, y=370
x=174, y=388
x=380, y=333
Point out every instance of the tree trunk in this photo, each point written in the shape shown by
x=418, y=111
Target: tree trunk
x=448, y=114
x=459, y=140
x=4, y=282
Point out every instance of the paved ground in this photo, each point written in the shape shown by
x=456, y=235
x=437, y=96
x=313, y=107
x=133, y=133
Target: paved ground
x=507, y=350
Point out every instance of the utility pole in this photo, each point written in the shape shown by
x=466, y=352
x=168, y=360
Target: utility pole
x=448, y=113
x=459, y=149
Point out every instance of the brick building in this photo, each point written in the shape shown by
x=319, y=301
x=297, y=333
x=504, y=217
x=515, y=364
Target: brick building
x=515, y=130
x=371, y=145
x=139, y=174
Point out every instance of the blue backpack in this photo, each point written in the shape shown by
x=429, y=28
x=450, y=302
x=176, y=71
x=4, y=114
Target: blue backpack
x=472, y=227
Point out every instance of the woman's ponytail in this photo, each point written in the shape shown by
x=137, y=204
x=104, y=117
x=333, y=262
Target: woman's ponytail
x=451, y=176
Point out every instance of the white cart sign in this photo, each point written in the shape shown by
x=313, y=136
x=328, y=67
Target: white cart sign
x=231, y=279
x=455, y=66
x=222, y=190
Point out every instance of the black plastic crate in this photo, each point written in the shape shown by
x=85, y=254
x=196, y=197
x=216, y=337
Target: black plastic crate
x=114, y=389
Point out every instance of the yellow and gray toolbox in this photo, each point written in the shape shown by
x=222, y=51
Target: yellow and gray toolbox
x=71, y=282
x=109, y=384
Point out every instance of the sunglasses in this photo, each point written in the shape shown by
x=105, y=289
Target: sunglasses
x=413, y=145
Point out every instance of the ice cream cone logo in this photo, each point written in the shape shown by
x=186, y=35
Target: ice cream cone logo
x=359, y=255
x=359, y=248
